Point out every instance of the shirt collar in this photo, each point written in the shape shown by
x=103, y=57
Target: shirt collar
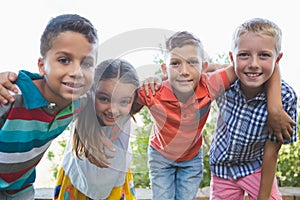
x=236, y=86
x=168, y=94
x=30, y=93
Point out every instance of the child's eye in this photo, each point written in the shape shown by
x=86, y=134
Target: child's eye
x=87, y=65
x=243, y=55
x=125, y=102
x=64, y=61
x=264, y=55
x=193, y=62
x=174, y=64
x=103, y=99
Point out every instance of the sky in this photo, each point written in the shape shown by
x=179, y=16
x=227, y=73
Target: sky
x=134, y=29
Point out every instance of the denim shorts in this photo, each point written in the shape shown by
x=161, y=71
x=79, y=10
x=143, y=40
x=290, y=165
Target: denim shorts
x=172, y=180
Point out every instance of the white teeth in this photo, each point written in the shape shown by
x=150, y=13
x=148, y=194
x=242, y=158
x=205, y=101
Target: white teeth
x=109, y=116
x=252, y=75
x=73, y=85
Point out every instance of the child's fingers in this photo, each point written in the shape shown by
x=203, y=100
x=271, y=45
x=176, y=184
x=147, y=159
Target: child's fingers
x=12, y=76
x=286, y=135
x=6, y=85
x=278, y=134
x=146, y=87
x=5, y=96
x=153, y=83
x=289, y=119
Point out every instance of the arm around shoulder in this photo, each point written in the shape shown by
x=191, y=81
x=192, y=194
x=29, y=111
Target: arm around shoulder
x=279, y=122
x=230, y=73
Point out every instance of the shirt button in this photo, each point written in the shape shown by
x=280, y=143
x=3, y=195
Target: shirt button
x=184, y=115
x=239, y=124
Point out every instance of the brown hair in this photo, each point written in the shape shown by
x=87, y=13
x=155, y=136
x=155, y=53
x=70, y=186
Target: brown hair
x=86, y=137
x=182, y=38
x=67, y=22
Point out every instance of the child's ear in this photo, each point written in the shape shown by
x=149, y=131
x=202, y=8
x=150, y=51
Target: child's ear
x=278, y=58
x=41, y=66
x=231, y=57
x=204, y=67
x=164, y=69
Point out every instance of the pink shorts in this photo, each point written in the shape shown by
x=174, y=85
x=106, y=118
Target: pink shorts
x=221, y=189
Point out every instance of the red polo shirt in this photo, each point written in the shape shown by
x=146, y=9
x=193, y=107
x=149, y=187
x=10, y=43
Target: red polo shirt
x=177, y=127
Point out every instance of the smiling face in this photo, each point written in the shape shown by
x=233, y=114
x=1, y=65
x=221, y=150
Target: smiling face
x=113, y=100
x=68, y=68
x=254, y=60
x=184, y=69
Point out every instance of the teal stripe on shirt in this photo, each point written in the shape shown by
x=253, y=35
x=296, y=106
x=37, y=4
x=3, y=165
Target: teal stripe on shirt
x=18, y=183
x=24, y=131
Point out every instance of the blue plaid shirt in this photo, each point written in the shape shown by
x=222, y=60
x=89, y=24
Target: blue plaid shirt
x=241, y=132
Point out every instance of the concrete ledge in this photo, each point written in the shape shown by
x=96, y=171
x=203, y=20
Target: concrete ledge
x=288, y=193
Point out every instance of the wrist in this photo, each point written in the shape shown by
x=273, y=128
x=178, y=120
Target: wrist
x=274, y=109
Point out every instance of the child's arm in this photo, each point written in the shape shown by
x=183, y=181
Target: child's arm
x=228, y=68
x=230, y=73
x=6, y=79
x=269, y=164
x=279, y=122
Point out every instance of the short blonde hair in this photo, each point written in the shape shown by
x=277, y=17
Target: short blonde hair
x=261, y=27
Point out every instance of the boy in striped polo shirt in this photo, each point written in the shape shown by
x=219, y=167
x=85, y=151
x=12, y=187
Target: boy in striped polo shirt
x=47, y=102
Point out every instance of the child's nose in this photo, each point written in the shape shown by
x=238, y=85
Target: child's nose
x=113, y=108
x=76, y=70
x=184, y=68
x=254, y=62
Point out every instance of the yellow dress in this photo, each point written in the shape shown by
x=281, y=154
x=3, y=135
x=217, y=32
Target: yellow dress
x=64, y=190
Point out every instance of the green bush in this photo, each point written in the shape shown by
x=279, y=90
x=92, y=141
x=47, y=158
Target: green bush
x=288, y=167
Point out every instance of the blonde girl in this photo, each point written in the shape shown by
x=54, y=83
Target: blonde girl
x=83, y=175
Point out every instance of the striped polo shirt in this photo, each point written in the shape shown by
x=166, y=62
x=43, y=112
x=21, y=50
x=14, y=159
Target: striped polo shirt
x=27, y=128
x=177, y=127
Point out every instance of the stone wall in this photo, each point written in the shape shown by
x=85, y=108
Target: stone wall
x=288, y=193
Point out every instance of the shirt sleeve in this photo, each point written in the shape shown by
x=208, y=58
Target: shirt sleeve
x=141, y=97
x=217, y=82
x=145, y=100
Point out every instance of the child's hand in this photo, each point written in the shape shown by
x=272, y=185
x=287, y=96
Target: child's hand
x=280, y=124
x=154, y=82
x=6, y=84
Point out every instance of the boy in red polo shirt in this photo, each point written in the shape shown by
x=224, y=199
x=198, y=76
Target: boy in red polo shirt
x=180, y=108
